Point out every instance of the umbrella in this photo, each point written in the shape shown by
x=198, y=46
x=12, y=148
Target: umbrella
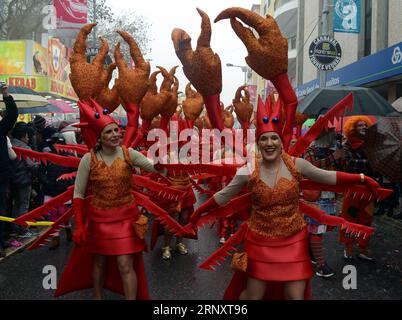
x=26, y=98
x=383, y=146
x=398, y=104
x=62, y=105
x=29, y=101
x=366, y=101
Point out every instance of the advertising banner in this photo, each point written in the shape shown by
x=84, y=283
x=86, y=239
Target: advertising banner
x=36, y=83
x=39, y=57
x=12, y=57
x=347, y=16
x=71, y=16
x=59, y=70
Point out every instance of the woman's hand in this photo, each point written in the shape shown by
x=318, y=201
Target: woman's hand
x=267, y=55
x=4, y=89
x=372, y=185
x=202, y=66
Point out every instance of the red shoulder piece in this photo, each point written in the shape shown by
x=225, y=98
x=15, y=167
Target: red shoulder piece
x=67, y=176
x=335, y=113
x=159, y=190
x=199, y=189
x=80, y=149
x=56, y=226
x=226, y=250
x=171, y=224
x=351, y=228
x=38, y=213
x=65, y=161
x=235, y=205
x=192, y=169
x=356, y=192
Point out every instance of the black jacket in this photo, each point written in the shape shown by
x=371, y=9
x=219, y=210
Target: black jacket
x=6, y=124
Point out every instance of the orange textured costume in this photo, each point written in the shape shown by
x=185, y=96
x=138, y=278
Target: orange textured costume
x=276, y=241
x=113, y=227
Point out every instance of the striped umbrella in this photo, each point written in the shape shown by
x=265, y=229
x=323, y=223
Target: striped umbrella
x=29, y=101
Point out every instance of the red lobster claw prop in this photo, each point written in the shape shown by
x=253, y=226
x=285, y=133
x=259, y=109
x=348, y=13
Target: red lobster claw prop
x=226, y=250
x=323, y=122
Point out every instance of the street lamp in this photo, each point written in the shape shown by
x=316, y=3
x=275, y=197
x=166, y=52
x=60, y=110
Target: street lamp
x=243, y=68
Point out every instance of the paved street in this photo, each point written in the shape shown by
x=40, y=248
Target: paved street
x=180, y=279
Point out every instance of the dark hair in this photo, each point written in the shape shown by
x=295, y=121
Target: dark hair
x=39, y=123
x=20, y=130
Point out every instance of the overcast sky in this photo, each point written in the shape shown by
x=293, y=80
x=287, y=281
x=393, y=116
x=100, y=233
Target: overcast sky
x=165, y=15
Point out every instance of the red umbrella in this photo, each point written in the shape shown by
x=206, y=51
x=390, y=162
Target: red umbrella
x=383, y=147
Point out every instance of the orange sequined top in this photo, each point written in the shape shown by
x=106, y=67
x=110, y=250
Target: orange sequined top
x=275, y=211
x=111, y=186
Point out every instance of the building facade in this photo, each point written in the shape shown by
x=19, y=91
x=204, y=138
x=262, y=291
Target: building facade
x=371, y=54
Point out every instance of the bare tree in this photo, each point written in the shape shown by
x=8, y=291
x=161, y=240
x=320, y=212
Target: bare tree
x=13, y=12
x=20, y=18
x=98, y=10
x=134, y=24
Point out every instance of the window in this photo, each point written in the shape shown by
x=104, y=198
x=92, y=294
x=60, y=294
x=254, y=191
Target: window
x=292, y=43
x=368, y=23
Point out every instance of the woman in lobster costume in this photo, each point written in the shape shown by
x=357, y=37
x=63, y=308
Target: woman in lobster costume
x=109, y=229
x=276, y=262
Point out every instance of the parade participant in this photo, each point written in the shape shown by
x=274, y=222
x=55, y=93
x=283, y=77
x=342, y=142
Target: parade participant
x=181, y=209
x=111, y=225
x=21, y=182
x=356, y=210
x=109, y=229
x=321, y=155
x=54, y=186
x=6, y=165
x=275, y=235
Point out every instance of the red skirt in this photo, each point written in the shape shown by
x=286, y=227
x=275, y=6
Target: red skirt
x=284, y=259
x=276, y=261
x=111, y=231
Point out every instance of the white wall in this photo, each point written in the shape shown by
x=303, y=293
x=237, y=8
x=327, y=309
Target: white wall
x=395, y=22
x=311, y=13
x=349, y=43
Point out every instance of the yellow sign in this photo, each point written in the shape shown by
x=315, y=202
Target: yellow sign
x=35, y=83
x=39, y=57
x=12, y=57
x=59, y=70
x=24, y=118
